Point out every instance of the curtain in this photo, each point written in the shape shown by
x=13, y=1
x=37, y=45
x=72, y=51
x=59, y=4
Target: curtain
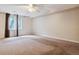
x=7, y=33
x=17, y=26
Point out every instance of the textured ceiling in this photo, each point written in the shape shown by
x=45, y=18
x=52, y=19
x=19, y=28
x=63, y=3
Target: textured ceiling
x=43, y=9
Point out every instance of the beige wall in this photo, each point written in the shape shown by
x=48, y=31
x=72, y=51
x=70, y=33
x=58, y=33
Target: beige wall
x=26, y=26
x=2, y=25
x=62, y=25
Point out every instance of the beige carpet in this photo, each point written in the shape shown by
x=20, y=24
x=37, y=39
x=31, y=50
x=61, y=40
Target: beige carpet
x=26, y=45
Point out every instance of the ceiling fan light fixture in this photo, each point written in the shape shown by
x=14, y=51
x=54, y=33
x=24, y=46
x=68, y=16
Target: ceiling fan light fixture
x=32, y=8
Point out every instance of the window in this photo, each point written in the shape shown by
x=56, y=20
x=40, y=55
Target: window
x=13, y=22
x=20, y=18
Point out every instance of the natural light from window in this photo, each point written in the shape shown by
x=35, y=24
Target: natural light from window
x=13, y=22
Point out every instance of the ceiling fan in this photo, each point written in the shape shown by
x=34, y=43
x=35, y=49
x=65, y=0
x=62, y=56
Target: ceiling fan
x=32, y=8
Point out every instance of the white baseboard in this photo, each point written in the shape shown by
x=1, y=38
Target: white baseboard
x=58, y=38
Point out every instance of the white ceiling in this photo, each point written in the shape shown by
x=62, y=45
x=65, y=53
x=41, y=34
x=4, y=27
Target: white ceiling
x=42, y=9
